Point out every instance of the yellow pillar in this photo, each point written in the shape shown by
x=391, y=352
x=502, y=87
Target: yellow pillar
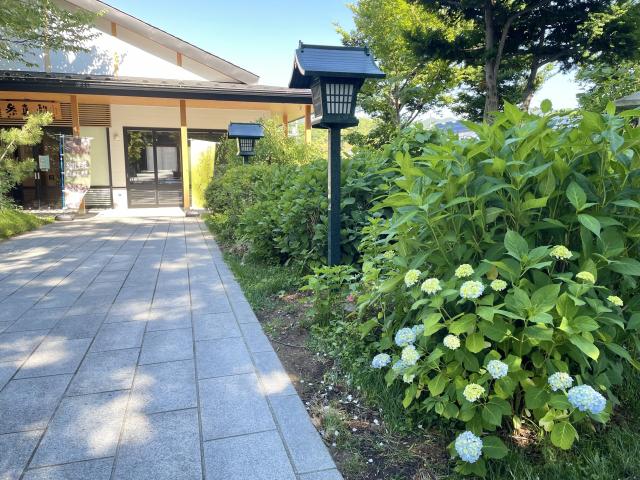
x=285, y=124
x=307, y=124
x=75, y=116
x=184, y=153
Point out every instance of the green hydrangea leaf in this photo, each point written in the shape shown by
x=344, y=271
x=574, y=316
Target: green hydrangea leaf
x=493, y=447
x=475, y=342
x=437, y=384
x=536, y=397
x=563, y=435
x=585, y=346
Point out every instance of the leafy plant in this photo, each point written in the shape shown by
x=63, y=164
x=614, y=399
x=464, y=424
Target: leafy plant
x=331, y=292
x=506, y=276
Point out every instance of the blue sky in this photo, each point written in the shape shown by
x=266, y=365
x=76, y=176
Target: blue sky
x=261, y=35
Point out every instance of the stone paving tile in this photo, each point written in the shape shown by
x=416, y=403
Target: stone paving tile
x=167, y=346
x=83, y=428
x=260, y=456
x=213, y=326
x=16, y=449
x=307, y=449
x=168, y=319
x=42, y=319
x=29, y=403
x=225, y=356
x=105, y=371
x=54, y=357
x=233, y=406
x=165, y=386
x=79, y=326
x=332, y=474
x=160, y=446
x=255, y=338
x=87, y=470
x=130, y=307
x=7, y=369
x=244, y=313
x=116, y=336
x=272, y=375
x=18, y=346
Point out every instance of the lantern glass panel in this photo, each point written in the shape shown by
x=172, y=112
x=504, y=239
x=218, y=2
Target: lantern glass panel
x=340, y=98
x=246, y=146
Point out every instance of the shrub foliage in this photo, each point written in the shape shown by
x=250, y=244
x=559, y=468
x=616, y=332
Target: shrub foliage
x=501, y=261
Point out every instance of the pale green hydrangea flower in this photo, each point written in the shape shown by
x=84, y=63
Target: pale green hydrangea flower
x=452, y=342
x=560, y=252
x=464, y=270
x=498, y=285
x=411, y=277
x=471, y=289
x=560, y=381
x=617, y=301
x=408, y=377
x=410, y=355
x=389, y=254
x=431, y=286
x=473, y=392
x=586, y=277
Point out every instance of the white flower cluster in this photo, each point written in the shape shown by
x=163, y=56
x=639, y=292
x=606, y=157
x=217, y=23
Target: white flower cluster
x=560, y=252
x=452, y=342
x=463, y=271
x=468, y=446
x=617, y=301
x=410, y=355
x=412, y=277
x=431, y=286
x=473, y=392
x=586, y=277
x=497, y=369
x=471, y=289
x=498, y=285
x=560, y=381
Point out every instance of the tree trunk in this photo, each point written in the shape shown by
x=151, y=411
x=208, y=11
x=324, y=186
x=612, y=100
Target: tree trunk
x=490, y=67
x=529, y=88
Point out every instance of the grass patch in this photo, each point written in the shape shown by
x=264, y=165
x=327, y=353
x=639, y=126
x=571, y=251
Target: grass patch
x=13, y=222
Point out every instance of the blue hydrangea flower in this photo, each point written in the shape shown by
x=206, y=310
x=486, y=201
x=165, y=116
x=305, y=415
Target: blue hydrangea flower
x=468, y=446
x=418, y=330
x=585, y=398
x=399, y=366
x=560, y=381
x=405, y=336
x=381, y=360
x=497, y=369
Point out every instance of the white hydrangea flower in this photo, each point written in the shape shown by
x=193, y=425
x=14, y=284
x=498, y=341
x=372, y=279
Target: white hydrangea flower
x=497, y=369
x=389, y=254
x=560, y=381
x=408, y=377
x=431, y=286
x=452, y=342
x=498, y=285
x=473, y=392
x=560, y=252
x=471, y=289
x=617, y=301
x=411, y=277
x=410, y=355
x=464, y=270
x=586, y=277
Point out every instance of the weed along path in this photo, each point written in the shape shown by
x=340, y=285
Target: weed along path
x=128, y=351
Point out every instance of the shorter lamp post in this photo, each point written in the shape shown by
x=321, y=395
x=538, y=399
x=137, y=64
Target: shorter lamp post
x=335, y=75
x=247, y=135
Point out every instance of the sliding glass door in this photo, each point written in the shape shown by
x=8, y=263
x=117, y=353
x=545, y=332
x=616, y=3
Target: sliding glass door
x=154, y=170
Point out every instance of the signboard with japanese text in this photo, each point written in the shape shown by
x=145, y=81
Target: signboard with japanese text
x=77, y=170
x=44, y=162
x=19, y=109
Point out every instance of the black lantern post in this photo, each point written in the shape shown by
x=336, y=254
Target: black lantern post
x=247, y=135
x=335, y=75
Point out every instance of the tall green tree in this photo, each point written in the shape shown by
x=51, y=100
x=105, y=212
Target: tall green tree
x=12, y=171
x=604, y=83
x=30, y=26
x=528, y=35
x=412, y=85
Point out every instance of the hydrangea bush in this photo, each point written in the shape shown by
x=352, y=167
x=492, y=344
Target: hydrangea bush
x=500, y=283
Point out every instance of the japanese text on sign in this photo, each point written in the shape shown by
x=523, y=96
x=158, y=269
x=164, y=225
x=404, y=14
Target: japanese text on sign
x=19, y=109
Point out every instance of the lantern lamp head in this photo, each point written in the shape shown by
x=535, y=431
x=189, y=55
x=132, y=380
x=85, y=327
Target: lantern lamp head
x=247, y=135
x=335, y=76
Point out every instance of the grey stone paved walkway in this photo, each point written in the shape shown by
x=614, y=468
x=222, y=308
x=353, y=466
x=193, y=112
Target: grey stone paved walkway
x=128, y=351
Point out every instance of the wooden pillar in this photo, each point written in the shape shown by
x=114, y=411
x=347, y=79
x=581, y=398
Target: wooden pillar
x=307, y=124
x=184, y=153
x=179, y=59
x=75, y=116
x=285, y=124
